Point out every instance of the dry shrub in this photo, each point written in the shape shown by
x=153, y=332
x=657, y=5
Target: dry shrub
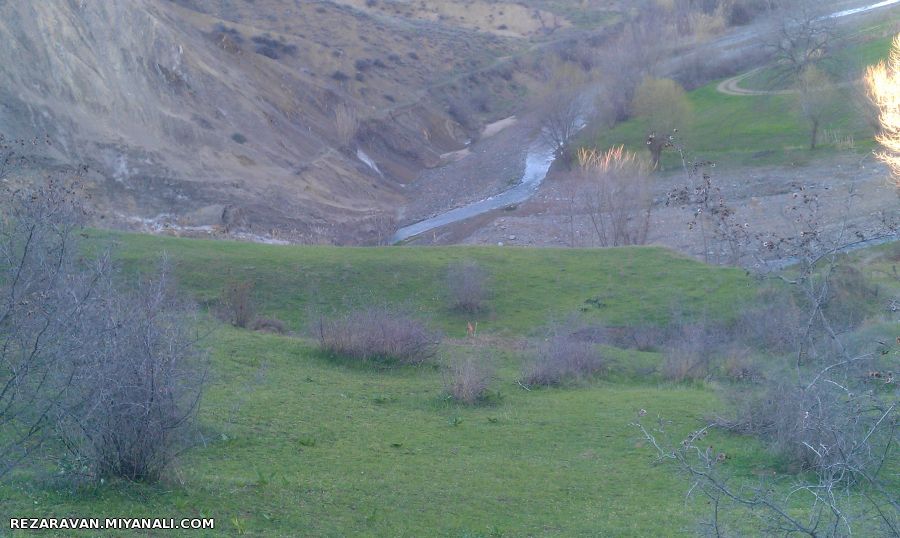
x=691, y=352
x=617, y=195
x=798, y=421
x=771, y=323
x=378, y=334
x=563, y=359
x=269, y=325
x=468, y=379
x=467, y=286
x=740, y=365
x=238, y=306
x=346, y=125
x=137, y=397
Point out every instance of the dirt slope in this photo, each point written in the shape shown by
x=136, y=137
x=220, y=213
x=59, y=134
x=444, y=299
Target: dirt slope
x=183, y=109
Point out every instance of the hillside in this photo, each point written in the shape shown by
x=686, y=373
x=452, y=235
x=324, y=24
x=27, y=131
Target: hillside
x=182, y=109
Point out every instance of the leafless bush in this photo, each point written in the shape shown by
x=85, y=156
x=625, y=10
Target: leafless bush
x=346, y=124
x=112, y=375
x=467, y=286
x=134, y=401
x=562, y=359
x=771, y=322
x=238, y=306
x=468, y=379
x=378, y=334
x=43, y=289
x=617, y=195
x=269, y=325
x=692, y=351
x=740, y=365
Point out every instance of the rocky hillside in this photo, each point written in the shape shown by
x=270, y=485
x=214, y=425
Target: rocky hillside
x=304, y=117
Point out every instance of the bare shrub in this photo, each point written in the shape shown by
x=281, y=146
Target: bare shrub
x=563, y=359
x=113, y=376
x=379, y=334
x=468, y=379
x=617, y=195
x=346, y=125
x=770, y=322
x=238, y=306
x=467, y=286
x=135, y=400
x=269, y=325
x=740, y=365
x=691, y=352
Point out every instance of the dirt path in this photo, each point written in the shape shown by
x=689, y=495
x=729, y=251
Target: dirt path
x=732, y=86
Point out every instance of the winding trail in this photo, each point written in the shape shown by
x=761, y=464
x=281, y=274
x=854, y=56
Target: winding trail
x=732, y=86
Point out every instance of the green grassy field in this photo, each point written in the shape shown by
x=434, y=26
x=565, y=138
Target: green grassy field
x=530, y=287
x=768, y=129
x=294, y=443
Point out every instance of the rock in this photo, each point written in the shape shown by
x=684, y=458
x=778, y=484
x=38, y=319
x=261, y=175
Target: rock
x=512, y=238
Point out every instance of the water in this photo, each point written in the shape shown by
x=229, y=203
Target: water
x=537, y=165
x=848, y=12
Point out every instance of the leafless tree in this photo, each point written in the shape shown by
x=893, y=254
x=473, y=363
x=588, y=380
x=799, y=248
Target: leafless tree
x=562, y=104
x=802, y=34
x=815, y=96
x=43, y=289
x=617, y=196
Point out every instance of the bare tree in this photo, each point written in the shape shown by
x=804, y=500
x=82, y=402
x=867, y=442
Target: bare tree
x=562, y=105
x=616, y=194
x=815, y=97
x=883, y=83
x=803, y=34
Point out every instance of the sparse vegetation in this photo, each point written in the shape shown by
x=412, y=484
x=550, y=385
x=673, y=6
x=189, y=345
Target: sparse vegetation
x=467, y=287
x=663, y=105
x=562, y=359
x=468, y=379
x=378, y=334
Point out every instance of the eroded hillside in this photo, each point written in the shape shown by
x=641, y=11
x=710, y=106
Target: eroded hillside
x=255, y=116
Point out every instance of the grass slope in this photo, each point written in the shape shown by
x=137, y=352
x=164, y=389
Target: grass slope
x=530, y=287
x=296, y=444
x=770, y=129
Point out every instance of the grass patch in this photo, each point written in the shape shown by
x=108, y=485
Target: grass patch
x=529, y=287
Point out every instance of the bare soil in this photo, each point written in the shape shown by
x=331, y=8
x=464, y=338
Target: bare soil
x=761, y=197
